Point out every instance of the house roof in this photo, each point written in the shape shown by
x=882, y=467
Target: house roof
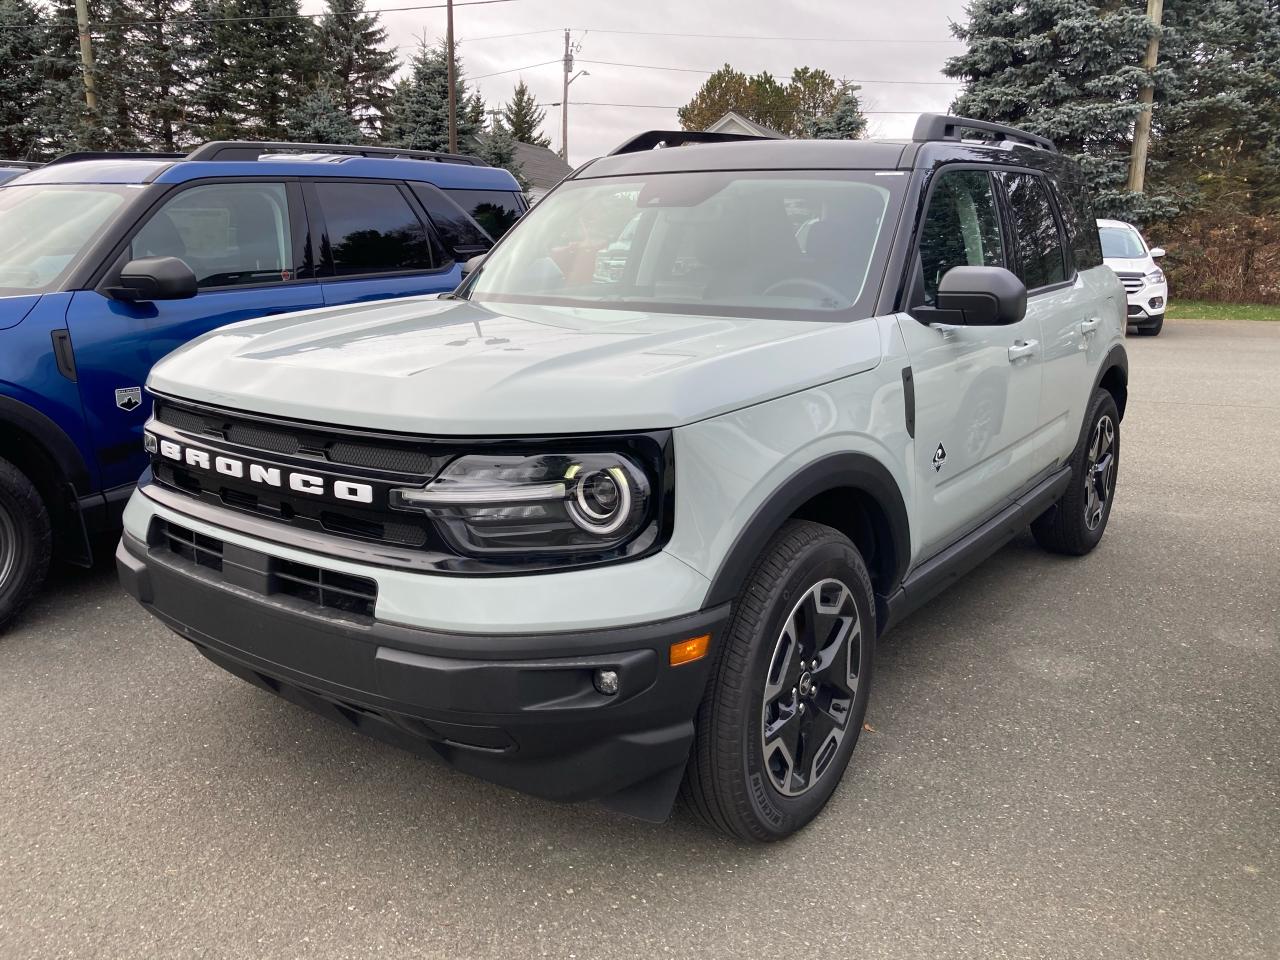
x=542, y=168
x=758, y=129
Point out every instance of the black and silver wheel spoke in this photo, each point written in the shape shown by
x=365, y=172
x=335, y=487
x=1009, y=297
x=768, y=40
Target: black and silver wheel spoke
x=8, y=546
x=810, y=687
x=1099, y=478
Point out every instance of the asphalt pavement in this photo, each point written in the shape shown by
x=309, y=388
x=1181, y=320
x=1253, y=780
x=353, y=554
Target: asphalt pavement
x=1068, y=759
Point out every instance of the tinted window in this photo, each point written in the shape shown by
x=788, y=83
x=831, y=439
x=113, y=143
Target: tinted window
x=1082, y=228
x=1040, y=254
x=495, y=210
x=961, y=228
x=460, y=233
x=227, y=233
x=371, y=229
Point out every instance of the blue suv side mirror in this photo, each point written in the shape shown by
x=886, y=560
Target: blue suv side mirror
x=155, y=278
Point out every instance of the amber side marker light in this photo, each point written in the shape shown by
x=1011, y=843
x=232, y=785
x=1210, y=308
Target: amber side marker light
x=687, y=651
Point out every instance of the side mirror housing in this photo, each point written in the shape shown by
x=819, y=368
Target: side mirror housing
x=983, y=296
x=155, y=278
x=1157, y=251
x=472, y=265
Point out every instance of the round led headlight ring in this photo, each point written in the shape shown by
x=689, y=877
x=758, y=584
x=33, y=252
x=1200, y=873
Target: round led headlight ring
x=601, y=501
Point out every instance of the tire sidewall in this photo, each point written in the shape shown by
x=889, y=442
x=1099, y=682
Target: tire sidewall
x=778, y=813
x=1103, y=405
x=29, y=523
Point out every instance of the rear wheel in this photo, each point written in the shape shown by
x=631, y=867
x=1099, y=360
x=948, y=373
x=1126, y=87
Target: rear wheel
x=25, y=541
x=1075, y=524
x=788, y=694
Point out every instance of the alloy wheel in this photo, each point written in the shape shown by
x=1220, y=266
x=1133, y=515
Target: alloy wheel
x=1100, y=472
x=810, y=687
x=8, y=546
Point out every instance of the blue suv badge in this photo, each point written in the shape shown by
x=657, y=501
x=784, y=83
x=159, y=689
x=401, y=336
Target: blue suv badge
x=128, y=398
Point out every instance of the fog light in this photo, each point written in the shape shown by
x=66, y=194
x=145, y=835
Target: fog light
x=606, y=682
x=150, y=442
x=1157, y=303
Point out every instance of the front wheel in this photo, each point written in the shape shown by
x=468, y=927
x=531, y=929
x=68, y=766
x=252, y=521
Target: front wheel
x=1075, y=524
x=25, y=541
x=788, y=694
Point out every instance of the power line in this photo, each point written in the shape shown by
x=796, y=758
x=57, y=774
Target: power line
x=677, y=106
x=499, y=73
x=96, y=25
x=652, y=66
x=746, y=36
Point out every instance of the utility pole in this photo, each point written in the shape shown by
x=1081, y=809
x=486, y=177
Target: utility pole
x=86, y=53
x=1142, y=128
x=453, y=89
x=564, y=100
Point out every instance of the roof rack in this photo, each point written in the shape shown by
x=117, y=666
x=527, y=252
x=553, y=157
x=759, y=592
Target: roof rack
x=677, y=138
x=253, y=149
x=939, y=126
x=24, y=164
x=107, y=155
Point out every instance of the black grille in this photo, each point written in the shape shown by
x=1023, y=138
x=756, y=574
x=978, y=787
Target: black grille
x=342, y=593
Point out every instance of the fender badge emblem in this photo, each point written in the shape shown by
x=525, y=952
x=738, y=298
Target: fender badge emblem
x=129, y=398
x=939, y=458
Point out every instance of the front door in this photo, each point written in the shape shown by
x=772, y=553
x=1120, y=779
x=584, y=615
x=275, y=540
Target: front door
x=246, y=242
x=977, y=389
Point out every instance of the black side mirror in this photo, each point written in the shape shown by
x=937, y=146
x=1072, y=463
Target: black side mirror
x=155, y=278
x=983, y=296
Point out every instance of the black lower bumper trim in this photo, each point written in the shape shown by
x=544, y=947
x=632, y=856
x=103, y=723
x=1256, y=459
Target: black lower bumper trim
x=522, y=711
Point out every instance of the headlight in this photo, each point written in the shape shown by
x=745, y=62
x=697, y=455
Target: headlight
x=1155, y=276
x=490, y=505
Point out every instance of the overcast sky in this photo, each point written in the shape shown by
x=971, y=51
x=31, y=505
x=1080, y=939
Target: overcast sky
x=906, y=40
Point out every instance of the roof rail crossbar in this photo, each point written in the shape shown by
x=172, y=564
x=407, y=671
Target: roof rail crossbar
x=676, y=138
x=107, y=155
x=24, y=164
x=253, y=149
x=939, y=126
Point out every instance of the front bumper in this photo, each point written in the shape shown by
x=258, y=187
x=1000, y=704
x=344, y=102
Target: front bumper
x=1149, y=303
x=480, y=702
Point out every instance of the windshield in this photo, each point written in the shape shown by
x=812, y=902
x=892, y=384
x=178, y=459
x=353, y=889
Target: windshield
x=790, y=244
x=1122, y=243
x=44, y=228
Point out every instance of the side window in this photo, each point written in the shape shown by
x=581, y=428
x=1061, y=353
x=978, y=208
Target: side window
x=1040, y=260
x=371, y=228
x=960, y=228
x=229, y=234
x=1082, y=228
x=495, y=210
x=459, y=232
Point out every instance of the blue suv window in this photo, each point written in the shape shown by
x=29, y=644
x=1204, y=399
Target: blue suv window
x=229, y=234
x=495, y=210
x=371, y=228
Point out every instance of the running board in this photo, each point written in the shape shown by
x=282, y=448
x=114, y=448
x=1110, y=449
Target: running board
x=947, y=566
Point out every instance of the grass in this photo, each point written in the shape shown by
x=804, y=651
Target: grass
x=1199, y=310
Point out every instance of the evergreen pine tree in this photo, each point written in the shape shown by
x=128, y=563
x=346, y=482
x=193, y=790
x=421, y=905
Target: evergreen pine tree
x=845, y=121
x=419, y=114
x=320, y=117
x=497, y=148
x=216, y=111
x=22, y=35
x=161, y=51
x=354, y=64
x=117, y=72
x=1066, y=69
x=64, y=120
x=524, y=118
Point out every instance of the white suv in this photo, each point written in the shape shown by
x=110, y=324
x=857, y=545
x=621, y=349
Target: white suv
x=1126, y=252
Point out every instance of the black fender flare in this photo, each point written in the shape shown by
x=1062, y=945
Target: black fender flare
x=855, y=470
x=51, y=438
x=1117, y=359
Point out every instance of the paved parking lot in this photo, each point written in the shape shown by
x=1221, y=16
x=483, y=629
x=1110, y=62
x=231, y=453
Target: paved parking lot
x=1069, y=759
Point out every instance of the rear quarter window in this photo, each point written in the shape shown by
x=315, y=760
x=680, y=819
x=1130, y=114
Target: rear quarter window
x=495, y=210
x=1077, y=216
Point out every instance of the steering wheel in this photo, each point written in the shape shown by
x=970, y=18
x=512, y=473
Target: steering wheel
x=826, y=292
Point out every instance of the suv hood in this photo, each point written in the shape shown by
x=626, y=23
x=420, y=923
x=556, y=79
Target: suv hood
x=1135, y=265
x=452, y=367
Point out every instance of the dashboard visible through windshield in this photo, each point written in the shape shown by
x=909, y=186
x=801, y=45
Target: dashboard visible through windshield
x=807, y=245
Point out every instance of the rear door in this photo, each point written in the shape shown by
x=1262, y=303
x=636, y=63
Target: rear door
x=376, y=242
x=247, y=243
x=977, y=388
x=1059, y=303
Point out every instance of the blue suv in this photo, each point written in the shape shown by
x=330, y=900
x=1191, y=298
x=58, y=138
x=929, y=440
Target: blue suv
x=109, y=262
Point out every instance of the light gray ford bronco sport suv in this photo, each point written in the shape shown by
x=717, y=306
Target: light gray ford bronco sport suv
x=624, y=516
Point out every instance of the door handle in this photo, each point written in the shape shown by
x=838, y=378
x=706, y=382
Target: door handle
x=1022, y=350
x=1089, y=326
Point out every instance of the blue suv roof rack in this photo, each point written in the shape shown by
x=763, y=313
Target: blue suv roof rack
x=108, y=155
x=253, y=149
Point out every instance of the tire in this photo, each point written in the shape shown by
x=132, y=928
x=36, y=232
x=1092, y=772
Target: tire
x=26, y=539
x=758, y=681
x=1075, y=524
x=1152, y=329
